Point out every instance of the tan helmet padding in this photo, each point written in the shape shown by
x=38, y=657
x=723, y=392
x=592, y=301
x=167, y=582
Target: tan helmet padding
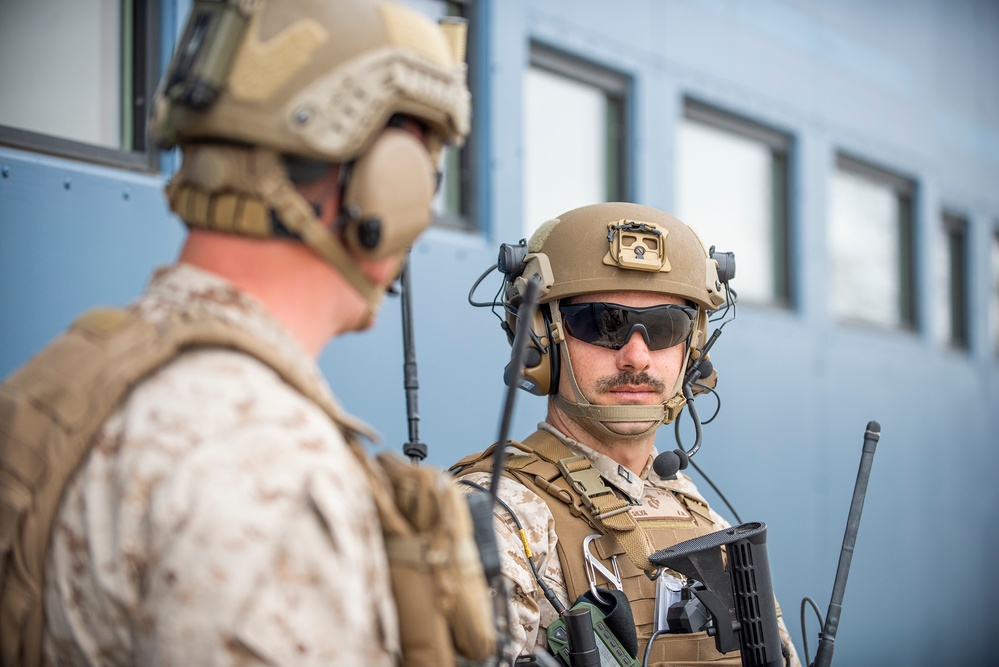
x=392, y=183
x=231, y=189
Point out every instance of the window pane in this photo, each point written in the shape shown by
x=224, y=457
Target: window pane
x=447, y=201
x=730, y=188
x=61, y=69
x=870, y=241
x=994, y=301
x=566, y=152
x=451, y=204
x=950, y=313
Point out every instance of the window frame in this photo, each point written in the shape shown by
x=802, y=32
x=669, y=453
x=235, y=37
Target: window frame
x=617, y=86
x=781, y=146
x=140, y=76
x=467, y=217
x=906, y=191
x=993, y=290
x=956, y=228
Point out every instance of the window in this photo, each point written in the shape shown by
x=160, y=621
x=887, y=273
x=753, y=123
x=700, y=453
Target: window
x=871, y=238
x=454, y=204
x=574, y=136
x=994, y=296
x=77, y=78
x=951, y=311
x=732, y=187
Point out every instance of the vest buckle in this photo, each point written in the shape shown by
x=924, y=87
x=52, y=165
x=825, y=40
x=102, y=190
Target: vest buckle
x=587, y=482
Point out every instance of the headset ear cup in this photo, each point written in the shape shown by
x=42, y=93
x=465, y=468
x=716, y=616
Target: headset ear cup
x=536, y=379
x=541, y=371
x=544, y=374
x=388, y=196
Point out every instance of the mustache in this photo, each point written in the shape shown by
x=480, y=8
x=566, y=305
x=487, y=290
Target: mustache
x=626, y=378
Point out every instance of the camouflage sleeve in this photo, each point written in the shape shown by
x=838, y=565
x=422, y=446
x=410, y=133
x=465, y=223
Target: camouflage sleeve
x=530, y=611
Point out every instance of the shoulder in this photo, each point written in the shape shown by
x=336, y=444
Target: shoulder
x=214, y=398
x=680, y=484
x=527, y=505
x=216, y=441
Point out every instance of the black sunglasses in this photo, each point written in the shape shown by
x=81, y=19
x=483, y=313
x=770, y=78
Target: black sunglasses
x=611, y=325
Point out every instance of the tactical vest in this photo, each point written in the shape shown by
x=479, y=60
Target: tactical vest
x=583, y=505
x=51, y=408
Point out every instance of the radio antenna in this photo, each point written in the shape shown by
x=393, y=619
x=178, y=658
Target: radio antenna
x=414, y=449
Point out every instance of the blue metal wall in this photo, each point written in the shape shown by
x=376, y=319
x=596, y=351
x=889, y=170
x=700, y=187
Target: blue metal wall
x=911, y=85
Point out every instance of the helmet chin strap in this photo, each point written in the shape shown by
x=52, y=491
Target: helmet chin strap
x=598, y=416
x=298, y=216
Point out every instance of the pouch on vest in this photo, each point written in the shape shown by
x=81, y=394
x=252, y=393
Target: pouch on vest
x=613, y=627
x=440, y=590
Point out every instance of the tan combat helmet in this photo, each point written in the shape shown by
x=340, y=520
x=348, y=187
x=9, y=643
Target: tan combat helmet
x=260, y=89
x=613, y=247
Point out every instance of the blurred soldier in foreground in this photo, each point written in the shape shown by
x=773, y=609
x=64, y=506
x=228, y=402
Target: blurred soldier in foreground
x=178, y=485
x=625, y=294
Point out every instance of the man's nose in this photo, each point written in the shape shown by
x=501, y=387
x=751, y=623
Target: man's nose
x=635, y=353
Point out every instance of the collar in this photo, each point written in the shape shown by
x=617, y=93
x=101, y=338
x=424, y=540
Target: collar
x=185, y=289
x=624, y=480
x=628, y=482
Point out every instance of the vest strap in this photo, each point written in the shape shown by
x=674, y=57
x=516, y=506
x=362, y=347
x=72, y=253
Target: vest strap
x=605, y=510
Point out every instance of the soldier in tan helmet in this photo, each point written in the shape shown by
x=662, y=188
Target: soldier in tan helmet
x=178, y=485
x=625, y=294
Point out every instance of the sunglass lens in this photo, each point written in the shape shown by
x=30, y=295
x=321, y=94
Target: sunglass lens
x=611, y=326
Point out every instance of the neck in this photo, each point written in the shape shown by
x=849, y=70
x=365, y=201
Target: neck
x=310, y=298
x=632, y=453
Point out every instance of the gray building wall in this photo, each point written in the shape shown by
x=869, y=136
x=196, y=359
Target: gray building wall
x=912, y=86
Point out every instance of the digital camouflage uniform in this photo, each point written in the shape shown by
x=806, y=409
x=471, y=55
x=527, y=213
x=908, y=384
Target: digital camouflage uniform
x=530, y=612
x=220, y=517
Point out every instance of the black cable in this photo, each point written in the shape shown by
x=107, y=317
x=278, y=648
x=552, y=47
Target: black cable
x=717, y=396
x=525, y=313
x=720, y=494
x=471, y=292
x=504, y=639
x=731, y=298
x=549, y=593
x=692, y=411
x=804, y=635
x=504, y=608
x=496, y=302
x=648, y=647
